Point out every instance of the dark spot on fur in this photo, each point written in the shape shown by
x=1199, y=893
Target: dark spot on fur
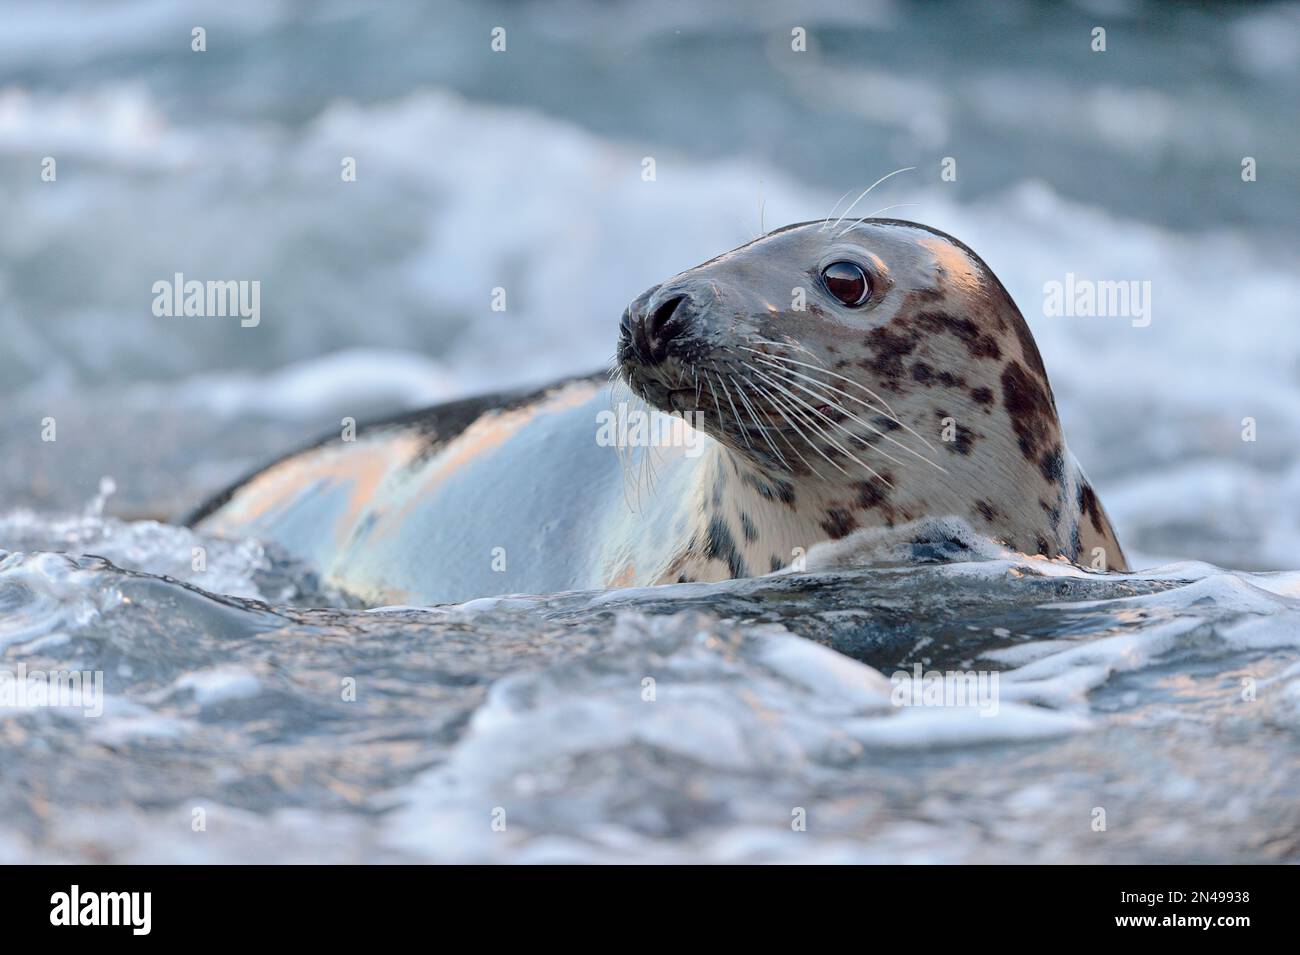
x=839, y=523
x=982, y=396
x=832, y=452
x=924, y=296
x=722, y=546
x=872, y=494
x=1089, y=505
x=923, y=373
x=777, y=490
x=1044, y=547
x=963, y=438
x=1030, y=349
x=719, y=485
x=977, y=343
x=834, y=414
x=889, y=348
x=1052, y=465
x=987, y=510
x=785, y=491
x=748, y=528
x=1033, y=415
x=777, y=563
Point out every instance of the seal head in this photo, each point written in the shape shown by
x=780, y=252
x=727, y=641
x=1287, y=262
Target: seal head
x=864, y=376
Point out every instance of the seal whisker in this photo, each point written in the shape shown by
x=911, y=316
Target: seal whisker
x=640, y=463
x=888, y=410
x=744, y=432
x=648, y=462
x=764, y=430
x=618, y=411
x=872, y=215
x=889, y=413
x=786, y=344
x=646, y=472
x=826, y=221
x=835, y=444
x=868, y=190
x=716, y=405
x=754, y=417
x=800, y=431
x=839, y=407
x=778, y=407
x=835, y=406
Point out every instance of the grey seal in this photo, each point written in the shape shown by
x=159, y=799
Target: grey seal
x=809, y=383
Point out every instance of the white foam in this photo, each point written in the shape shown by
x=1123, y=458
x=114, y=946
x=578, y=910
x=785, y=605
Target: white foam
x=921, y=728
x=308, y=389
x=48, y=593
x=126, y=721
x=740, y=705
x=220, y=685
x=225, y=567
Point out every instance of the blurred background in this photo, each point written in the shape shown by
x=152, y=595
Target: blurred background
x=522, y=169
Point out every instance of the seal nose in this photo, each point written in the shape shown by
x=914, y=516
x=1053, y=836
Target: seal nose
x=657, y=325
x=664, y=321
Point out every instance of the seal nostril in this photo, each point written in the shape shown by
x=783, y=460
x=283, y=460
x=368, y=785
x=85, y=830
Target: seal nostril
x=657, y=324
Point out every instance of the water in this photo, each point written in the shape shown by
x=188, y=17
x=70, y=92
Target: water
x=1169, y=698
x=1120, y=694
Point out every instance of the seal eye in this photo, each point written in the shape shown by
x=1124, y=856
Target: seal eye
x=848, y=282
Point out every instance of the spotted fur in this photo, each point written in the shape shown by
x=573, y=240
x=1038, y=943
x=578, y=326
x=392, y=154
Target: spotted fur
x=944, y=346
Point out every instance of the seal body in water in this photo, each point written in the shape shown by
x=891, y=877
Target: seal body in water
x=825, y=379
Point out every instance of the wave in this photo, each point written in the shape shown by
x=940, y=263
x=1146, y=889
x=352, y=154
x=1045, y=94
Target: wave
x=682, y=723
